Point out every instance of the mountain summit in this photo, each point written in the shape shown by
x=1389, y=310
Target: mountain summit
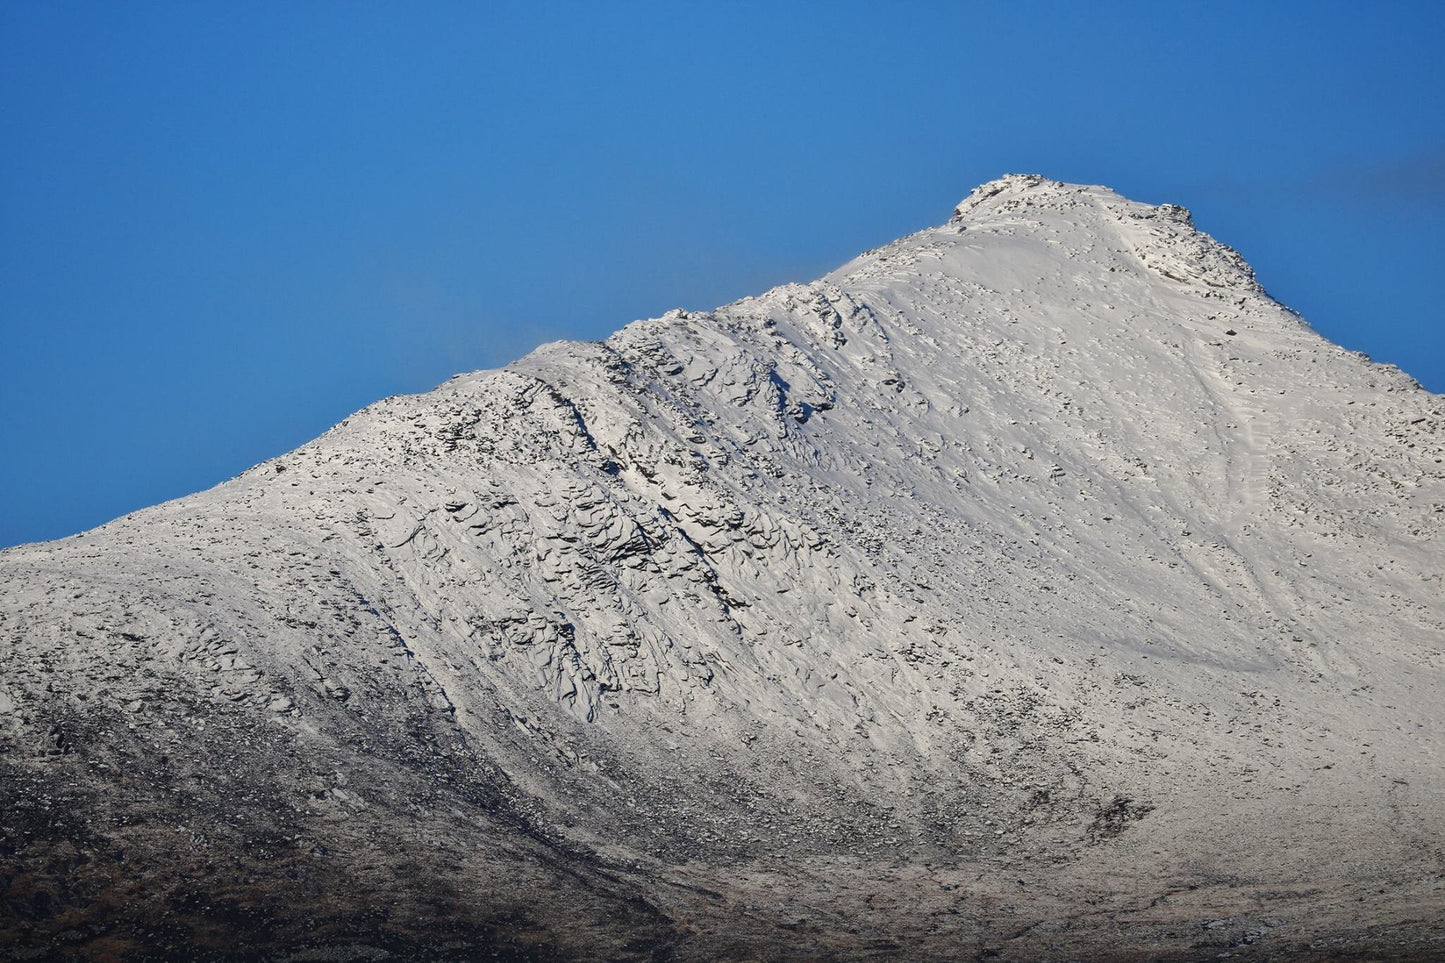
x=1031, y=587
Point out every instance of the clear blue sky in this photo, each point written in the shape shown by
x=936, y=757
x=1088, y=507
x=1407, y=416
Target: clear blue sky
x=223, y=227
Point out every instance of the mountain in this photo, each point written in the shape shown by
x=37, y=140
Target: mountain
x=1032, y=587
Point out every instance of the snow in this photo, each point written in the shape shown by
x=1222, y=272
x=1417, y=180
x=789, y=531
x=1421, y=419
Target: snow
x=1040, y=546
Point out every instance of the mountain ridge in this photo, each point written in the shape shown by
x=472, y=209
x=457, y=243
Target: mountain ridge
x=1042, y=545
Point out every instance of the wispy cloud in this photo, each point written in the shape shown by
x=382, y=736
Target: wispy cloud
x=1417, y=179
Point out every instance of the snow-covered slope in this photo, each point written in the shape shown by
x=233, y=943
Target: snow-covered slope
x=1034, y=585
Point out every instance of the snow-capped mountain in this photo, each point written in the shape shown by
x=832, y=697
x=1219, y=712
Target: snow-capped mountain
x=1034, y=586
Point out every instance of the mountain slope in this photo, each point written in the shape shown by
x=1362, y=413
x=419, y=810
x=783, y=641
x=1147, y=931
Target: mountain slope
x=1033, y=585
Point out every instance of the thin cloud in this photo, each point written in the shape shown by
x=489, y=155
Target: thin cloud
x=1417, y=179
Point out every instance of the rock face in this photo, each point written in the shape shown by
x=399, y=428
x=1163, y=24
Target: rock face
x=1033, y=587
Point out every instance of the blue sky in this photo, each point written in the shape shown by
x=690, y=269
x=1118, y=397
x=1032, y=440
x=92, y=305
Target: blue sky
x=223, y=227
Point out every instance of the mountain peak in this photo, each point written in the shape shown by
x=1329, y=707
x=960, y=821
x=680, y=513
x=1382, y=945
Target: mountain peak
x=1014, y=190
x=1015, y=186
x=1041, y=540
x=1161, y=236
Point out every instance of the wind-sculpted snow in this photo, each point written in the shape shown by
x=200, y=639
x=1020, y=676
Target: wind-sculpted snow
x=1033, y=586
